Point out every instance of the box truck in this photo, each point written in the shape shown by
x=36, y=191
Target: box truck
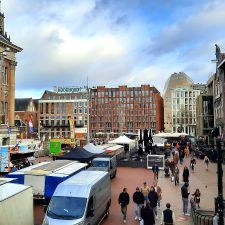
x=44, y=177
x=84, y=198
x=16, y=204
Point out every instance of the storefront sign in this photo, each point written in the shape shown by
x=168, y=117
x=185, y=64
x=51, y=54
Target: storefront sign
x=71, y=89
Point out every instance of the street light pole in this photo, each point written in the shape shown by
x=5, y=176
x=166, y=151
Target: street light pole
x=219, y=207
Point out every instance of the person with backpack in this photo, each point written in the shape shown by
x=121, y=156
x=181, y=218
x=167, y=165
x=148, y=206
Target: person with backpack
x=168, y=217
x=206, y=161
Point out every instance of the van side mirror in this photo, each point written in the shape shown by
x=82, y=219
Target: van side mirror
x=90, y=213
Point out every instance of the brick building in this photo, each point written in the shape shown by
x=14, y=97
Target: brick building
x=125, y=109
x=58, y=107
x=26, y=117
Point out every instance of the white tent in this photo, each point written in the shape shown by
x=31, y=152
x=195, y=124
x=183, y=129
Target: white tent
x=93, y=149
x=159, y=141
x=124, y=140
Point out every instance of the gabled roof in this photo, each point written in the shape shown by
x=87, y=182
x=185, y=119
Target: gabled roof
x=21, y=104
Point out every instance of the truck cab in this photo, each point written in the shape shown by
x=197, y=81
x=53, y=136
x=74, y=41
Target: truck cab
x=105, y=164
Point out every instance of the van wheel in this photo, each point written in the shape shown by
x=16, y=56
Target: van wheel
x=114, y=174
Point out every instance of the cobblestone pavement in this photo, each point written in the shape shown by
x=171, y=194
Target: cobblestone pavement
x=206, y=181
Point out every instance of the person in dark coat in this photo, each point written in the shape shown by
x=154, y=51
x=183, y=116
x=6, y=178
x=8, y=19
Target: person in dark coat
x=124, y=200
x=168, y=217
x=185, y=194
x=153, y=198
x=186, y=175
x=147, y=214
x=138, y=199
x=155, y=170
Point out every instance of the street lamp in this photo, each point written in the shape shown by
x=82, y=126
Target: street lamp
x=219, y=200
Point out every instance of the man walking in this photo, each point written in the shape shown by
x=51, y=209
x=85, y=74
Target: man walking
x=145, y=190
x=168, y=217
x=124, y=200
x=185, y=194
x=153, y=198
x=138, y=199
x=147, y=214
x=155, y=170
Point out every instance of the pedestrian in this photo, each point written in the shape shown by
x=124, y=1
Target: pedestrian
x=192, y=163
x=145, y=191
x=206, y=161
x=124, y=200
x=197, y=195
x=155, y=170
x=176, y=175
x=153, y=198
x=147, y=214
x=185, y=195
x=158, y=190
x=138, y=199
x=168, y=217
x=186, y=175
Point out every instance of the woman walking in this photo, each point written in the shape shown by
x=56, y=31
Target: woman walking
x=186, y=175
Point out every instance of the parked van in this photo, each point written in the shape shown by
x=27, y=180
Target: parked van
x=83, y=199
x=106, y=163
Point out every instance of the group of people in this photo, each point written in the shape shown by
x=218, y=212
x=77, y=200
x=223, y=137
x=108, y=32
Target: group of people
x=146, y=200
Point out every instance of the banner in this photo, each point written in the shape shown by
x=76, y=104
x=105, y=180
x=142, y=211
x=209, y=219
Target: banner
x=72, y=128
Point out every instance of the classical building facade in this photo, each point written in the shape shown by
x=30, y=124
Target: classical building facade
x=176, y=80
x=125, y=109
x=8, y=64
x=58, y=109
x=26, y=117
x=219, y=90
x=204, y=111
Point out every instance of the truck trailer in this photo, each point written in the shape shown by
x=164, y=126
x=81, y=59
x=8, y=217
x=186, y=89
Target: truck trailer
x=16, y=204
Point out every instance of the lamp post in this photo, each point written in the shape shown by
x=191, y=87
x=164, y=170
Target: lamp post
x=219, y=207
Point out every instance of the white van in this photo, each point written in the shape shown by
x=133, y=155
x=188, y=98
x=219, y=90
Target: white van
x=105, y=163
x=83, y=199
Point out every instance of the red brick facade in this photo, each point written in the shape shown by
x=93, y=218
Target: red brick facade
x=125, y=109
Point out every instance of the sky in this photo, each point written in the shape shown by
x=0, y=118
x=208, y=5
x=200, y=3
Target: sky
x=112, y=42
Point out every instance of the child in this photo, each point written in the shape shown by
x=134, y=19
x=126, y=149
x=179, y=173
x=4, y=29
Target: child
x=192, y=163
x=197, y=195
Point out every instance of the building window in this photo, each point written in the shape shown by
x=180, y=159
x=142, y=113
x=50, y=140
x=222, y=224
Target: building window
x=63, y=107
x=46, y=108
x=58, y=108
x=52, y=108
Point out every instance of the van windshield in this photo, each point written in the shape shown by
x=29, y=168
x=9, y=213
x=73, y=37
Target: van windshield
x=66, y=208
x=100, y=164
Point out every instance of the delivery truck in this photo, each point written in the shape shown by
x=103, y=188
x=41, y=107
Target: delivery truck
x=84, y=198
x=45, y=178
x=16, y=204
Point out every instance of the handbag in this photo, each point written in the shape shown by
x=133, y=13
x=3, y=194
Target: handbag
x=172, y=178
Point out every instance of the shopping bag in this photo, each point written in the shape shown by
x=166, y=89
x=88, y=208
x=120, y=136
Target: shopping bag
x=142, y=222
x=172, y=178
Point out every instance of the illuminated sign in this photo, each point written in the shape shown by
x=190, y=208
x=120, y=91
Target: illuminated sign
x=71, y=89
